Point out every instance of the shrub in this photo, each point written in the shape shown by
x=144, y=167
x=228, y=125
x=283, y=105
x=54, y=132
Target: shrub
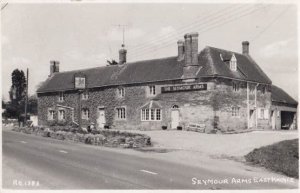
x=164, y=127
x=280, y=157
x=179, y=128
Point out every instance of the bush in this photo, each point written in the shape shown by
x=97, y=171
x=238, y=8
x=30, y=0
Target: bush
x=164, y=127
x=280, y=157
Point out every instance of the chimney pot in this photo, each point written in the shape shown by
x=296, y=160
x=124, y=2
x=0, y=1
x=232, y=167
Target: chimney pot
x=180, y=44
x=245, y=47
x=54, y=67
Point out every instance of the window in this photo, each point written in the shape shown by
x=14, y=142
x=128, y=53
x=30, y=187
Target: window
x=264, y=89
x=51, y=114
x=121, y=92
x=235, y=86
x=61, y=97
x=121, y=113
x=235, y=111
x=61, y=115
x=85, y=113
x=151, y=114
x=152, y=90
x=232, y=63
x=263, y=113
x=85, y=95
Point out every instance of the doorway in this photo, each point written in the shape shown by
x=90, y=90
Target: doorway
x=251, y=119
x=101, y=118
x=273, y=119
x=174, y=117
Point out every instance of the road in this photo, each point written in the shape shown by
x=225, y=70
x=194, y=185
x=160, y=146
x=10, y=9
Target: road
x=55, y=164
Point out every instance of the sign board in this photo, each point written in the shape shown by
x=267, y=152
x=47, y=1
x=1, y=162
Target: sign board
x=179, y=88
x=80, y=81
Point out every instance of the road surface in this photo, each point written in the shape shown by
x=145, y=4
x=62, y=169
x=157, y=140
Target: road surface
x=33, y=162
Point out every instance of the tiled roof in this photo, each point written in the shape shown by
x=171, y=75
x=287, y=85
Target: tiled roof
x=247, y=69
x=159, y=70
x=279, y=95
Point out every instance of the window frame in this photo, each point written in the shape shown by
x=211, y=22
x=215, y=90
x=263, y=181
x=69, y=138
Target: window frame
x=85, y=116
x=121, y=113
x=61, y=97
x=152, y=90
x=59, y=115
x=235, y=111
x=51, y=116
x=151, y=114
x=235, y=87
x=85, y=95
x=121, y=92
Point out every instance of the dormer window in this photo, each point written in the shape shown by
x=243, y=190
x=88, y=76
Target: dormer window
x=232, y=63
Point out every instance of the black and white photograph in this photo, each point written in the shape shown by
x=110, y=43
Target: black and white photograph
x=149, y=95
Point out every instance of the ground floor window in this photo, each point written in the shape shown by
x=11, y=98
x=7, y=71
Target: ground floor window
x=85, y=114
x=263, y=113
x=51, y=114
x=121, y=113
x=235, y=111
x=61, y=114
x=151, y=114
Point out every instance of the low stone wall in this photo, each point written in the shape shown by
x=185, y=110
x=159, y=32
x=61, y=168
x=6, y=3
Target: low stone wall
x=108, y=138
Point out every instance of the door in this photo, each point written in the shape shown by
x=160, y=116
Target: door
x=273, y=115
x=101, y=118
x=174, y=119
x=251, y=118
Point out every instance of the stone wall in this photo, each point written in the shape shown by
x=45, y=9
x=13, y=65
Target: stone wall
x=212, y=107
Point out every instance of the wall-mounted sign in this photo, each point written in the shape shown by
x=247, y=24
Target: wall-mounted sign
x=179, y=88
x=80, y=81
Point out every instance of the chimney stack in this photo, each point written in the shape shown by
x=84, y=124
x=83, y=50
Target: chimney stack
x=191, y=49
x=191, y=65
x=122, y=55
x=245, y=45
x=180, y=44
x=54, y=67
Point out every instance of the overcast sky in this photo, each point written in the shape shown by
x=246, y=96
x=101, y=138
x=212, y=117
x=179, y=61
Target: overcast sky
x=84, y=35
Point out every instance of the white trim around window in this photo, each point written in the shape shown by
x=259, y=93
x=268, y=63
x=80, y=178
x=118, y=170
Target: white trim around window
x=61, y=97
x=121, y=113
x=151, y=115
x=51, y=113
x=61, y=114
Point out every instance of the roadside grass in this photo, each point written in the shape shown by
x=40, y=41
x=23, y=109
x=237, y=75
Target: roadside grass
x=280, y=157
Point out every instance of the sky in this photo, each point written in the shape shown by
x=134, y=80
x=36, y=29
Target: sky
x=86, y=35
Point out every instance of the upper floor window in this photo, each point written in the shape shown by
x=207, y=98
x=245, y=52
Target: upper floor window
x=235, y=111
x=51, y=113
x=61, y=97
x=121, y=113
x=121, y=92
x=235, y=86
x=85, y=113
x=232, y=63
x=151, y=114
x=85, y=95
x=152, y=90
x=61, y=114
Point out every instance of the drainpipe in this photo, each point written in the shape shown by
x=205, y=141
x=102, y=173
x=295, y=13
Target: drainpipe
x=248, y=108
x=256, y=105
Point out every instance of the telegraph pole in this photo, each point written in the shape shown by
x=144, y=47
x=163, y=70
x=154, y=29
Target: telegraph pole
x=26, y=97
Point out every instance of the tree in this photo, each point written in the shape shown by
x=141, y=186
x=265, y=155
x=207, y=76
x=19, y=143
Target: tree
x=17, y=94
x=32, y=104
x=18, y=87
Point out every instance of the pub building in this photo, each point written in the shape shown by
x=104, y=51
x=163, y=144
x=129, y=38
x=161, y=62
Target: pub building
x=218, y=89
